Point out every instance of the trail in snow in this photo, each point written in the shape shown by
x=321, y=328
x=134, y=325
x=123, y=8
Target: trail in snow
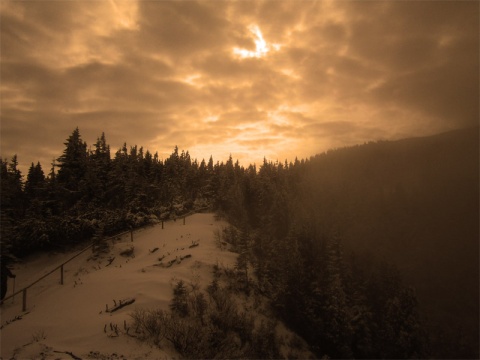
x=71, y=319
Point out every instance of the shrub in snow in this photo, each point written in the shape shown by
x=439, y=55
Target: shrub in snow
x=213, y=328
x=135, y=220
x=153, y=219
x=178, y=209
x=150, y=324
x=201, y=203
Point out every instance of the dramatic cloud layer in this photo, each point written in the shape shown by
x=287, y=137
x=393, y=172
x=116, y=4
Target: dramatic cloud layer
x=254, y=79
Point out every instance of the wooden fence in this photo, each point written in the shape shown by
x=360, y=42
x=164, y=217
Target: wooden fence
x=61, y=266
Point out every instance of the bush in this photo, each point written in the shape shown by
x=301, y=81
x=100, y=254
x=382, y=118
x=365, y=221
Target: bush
x=152, y=324
x=188, y=337
x=198, y=328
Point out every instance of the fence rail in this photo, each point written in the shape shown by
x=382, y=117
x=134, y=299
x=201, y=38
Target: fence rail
x=24, y=289
x=61, y=266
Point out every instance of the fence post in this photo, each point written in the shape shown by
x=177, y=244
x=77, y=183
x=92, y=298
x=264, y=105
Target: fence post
x=61, y=274
x=131, y=235
x=24, y=305
x=13, y=296
x=184, y=220
x=162, y=224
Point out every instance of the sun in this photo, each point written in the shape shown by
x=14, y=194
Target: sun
x=125, y=14
x=261, y=46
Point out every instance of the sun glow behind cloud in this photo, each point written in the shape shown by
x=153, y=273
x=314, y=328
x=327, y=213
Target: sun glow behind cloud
x=261, y=46
x=303, y=77
x=125, y=14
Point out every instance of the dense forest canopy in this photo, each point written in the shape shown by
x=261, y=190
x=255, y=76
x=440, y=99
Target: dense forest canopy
x=329, y=238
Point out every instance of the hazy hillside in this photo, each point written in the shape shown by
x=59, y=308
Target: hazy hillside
x=415, y=203
x=333, y=242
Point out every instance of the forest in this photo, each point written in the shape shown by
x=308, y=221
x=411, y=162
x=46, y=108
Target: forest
x=368, y=251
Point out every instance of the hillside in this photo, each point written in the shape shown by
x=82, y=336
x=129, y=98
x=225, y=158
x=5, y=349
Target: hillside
x=414, y=203
x=72, y=317
x=369, y=251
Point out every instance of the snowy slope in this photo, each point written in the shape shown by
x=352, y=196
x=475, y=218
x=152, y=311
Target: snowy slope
x=72, y=317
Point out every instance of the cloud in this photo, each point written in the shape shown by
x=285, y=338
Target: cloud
x=165, y=73
x=182, y=29
x=428, y=54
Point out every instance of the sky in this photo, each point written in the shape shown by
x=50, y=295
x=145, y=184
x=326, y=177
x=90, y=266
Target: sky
x=251, y=79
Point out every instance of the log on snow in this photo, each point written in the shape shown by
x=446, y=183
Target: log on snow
x=121, y=304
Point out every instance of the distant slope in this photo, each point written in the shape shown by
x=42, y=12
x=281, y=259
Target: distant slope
x=413, y=202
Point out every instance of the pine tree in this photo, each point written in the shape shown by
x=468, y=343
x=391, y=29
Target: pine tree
x=116, y=188
x=11, y=204
x=179, y=303
x=12, y=196
x=242, y=261
x=36, y=183
x=403, y=336
x=72, y=165
x=98, y=171
x=335, y=313
x=53, y=196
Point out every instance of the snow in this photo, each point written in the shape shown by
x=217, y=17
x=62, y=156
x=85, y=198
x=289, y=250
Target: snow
x=72, y=317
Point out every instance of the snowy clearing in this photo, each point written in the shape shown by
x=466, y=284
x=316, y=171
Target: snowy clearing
x=76, y=319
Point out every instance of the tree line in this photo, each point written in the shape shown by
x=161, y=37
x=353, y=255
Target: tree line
x=290, y=220
x=88, y=191
x=320, y=233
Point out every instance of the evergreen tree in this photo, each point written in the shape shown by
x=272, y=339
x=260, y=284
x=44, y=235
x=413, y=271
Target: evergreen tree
x=334, y=311
x=99, y=167
x=52, y=191
x=116, y=188
x=179, y=303
x=12, y=200
x=403, y=336
x=72, y=166
x=11, y=205
x=35, y=186
x=241, y=265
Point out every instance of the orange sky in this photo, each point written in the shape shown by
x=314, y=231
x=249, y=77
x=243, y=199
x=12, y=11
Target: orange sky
x=253, y=79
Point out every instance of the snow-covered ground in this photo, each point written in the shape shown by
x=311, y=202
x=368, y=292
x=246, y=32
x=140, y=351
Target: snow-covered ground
x=63, y=321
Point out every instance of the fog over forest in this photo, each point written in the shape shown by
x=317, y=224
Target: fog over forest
x=368, y=251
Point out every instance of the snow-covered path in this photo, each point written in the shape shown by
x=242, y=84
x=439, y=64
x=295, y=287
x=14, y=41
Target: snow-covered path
x=72, y=317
